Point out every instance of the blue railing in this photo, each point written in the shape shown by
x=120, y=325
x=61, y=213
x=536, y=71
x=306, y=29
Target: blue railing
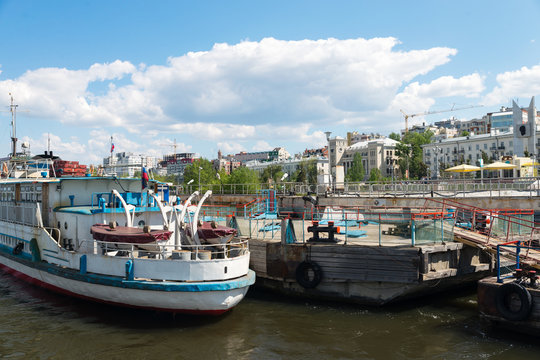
x=517, y=245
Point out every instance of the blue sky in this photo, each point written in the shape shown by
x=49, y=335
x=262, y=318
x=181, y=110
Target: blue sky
x=253, y=75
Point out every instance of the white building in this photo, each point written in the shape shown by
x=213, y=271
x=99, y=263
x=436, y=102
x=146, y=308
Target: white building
x=376, y=154
x=516, y=136
x=127, y=163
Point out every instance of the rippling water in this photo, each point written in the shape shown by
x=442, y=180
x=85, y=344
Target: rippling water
x=42, y=325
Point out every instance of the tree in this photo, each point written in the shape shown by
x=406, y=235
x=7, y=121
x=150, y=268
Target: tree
x=395, y=136
x=306, y=172
x=356, y=172
x=242, y=176
x=464, y=133
x=410, y=154
x=207, y=173
x=375, y=175
x=274, y=172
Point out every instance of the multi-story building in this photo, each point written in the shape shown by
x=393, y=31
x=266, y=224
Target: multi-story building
x=226, y=164
x=474, y=126
x=128, y=163
x=502, y=140
x=500, y=120
x=176, y=163
x=376, y=154
x=278, y=153
x=336, y=149
x=323, y=152
x=355, y=137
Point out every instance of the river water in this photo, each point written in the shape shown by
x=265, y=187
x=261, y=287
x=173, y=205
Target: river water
x=37, y=324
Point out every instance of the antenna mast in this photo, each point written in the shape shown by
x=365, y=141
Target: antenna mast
x=13, y=110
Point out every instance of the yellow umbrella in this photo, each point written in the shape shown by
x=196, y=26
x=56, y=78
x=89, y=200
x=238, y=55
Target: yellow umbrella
x=530, y=164
x=499, y=166
x=463, y=168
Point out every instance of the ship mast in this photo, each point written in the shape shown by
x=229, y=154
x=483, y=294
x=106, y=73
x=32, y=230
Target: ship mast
x=13, y=110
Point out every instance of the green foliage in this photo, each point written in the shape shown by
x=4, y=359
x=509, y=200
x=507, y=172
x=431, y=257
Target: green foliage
x=166, y=178
x=464, y=133
x=306, y=173
x=375, y=175
x=356, y=172
x=395, y=136
x=274, y=172
x=410, y=154
x=207, y=173
x=243, y=175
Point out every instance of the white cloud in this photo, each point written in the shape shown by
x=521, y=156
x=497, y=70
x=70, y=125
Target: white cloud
x=273, y=91
x=524, y=82
x=230, y=147
x=261, y=145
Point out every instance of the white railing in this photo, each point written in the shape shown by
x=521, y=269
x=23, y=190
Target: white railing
x=235, y=248
x=23, y=213
x=492, y=187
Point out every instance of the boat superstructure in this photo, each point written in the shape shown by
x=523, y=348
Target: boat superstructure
x=48, y=237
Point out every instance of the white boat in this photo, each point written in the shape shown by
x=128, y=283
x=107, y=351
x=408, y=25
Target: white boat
x=45, y=239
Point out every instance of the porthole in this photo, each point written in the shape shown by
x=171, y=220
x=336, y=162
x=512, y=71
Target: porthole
x=65, y=225
x=141, y=223
x=59, y=225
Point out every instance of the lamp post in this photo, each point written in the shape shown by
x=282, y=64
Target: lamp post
x=189, y=183
x=436, y=175
x=328, y=133
x=200, y=168
x=283, y=178
x=221, y=182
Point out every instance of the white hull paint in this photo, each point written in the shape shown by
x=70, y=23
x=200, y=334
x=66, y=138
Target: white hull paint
x=177, y=301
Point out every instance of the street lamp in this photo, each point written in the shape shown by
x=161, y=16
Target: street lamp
x=436, y=175
x=327, y=133
x=283, y=177
x=200, y=168
x=221, y=182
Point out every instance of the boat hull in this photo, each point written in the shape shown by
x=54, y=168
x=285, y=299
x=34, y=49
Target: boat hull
x=197, y=298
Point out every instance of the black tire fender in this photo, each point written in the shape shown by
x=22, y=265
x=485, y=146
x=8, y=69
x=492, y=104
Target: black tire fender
x=303, y=274
x=503, y=298
x=18, y=248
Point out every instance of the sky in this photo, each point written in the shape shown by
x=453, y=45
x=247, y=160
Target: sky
x=202, y=76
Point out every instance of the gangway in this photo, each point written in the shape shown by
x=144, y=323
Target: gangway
x=488, y=229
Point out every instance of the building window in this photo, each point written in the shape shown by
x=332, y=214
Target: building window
x=477, y=146
x=485, y=146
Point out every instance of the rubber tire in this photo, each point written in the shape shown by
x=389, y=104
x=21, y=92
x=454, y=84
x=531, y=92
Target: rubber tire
x=503, y=307
x=302, y=275
x=18, y=248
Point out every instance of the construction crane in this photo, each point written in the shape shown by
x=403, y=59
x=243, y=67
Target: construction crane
x=433, y=112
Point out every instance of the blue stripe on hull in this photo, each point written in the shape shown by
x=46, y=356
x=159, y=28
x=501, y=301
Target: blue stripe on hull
x=25, y=259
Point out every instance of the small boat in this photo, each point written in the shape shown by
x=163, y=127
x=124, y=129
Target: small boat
x=213, y=233
x=129, y=235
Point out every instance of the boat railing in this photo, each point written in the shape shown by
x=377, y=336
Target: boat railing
x=235, y=248
x=515, y=256
x=24, y=168
x=22, y=213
